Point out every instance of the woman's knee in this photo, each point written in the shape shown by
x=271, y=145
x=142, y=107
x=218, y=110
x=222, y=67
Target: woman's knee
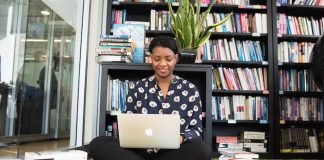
x=200, y=148
x=102, y=140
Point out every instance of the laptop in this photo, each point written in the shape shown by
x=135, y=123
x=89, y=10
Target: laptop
x=149, y=130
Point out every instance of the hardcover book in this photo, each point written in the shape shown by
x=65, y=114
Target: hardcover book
x=239, y=154
x=137, y=32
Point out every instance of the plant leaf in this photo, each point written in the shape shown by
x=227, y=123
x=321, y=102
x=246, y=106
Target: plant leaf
x=219, y=23
x=203, y=38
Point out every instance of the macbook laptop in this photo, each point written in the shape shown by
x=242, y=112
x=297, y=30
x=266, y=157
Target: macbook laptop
x=149, y=130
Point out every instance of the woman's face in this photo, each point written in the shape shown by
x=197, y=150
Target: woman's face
x=163, y=61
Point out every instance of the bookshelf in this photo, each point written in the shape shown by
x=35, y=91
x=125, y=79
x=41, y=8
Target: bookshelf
x=200, y=75
x=269, y=42
x=234, y=126
x=291, y=128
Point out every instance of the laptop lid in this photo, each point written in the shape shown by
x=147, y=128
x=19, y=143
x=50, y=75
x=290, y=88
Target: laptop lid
x=149, y=130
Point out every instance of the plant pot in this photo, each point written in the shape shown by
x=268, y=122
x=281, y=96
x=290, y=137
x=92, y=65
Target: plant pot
x=187, y=56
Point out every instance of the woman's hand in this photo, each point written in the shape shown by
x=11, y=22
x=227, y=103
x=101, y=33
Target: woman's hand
x=181, y=139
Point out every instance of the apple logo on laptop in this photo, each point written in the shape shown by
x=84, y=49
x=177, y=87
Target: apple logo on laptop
x=149, y=132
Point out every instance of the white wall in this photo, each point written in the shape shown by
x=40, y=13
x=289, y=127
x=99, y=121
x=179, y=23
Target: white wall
x=92, y=89
x=67, y=9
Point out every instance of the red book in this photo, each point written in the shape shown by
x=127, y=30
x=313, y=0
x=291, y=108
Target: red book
x=226, y=139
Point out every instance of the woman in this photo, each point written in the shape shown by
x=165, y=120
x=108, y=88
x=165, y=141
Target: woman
x=161, y=93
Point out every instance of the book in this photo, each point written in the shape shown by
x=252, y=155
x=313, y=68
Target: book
x=238, y=153
x=137, y=32
x=113, y=58
x=224, y=157
x=226, y=139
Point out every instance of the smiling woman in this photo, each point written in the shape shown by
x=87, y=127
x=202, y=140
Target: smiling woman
x=162, y=93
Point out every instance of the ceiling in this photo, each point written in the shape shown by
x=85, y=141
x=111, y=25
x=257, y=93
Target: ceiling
x=35, y=16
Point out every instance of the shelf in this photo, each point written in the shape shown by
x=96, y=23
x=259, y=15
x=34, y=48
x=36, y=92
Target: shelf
x=245, y=36
x=261, y=155
x=295, y=37
x=300, y=94
x=150, y=33
x=164, y=6
x=302, y=9
x=241, y=121
x=243, y=64
x=303, y=124
x=142, y=5
x=239, y=92
x=289, y=65
x=216, y=35
x=302, y=155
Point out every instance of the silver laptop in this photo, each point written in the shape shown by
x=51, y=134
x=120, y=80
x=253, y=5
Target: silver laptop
x=149, y=130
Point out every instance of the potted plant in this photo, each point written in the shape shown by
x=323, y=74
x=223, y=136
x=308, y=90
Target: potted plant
x=187, y=27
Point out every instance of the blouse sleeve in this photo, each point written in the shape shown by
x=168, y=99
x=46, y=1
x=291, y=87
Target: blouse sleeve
x=131, y=98
x=194, y=129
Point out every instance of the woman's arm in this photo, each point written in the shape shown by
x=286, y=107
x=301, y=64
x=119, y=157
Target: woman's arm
x=194, y=128
x=131, y=98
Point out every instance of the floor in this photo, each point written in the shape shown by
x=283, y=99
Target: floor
x=52, y=145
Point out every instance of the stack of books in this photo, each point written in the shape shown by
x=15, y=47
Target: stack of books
x=231, y=154
x=228, y=142
x=254, y=141
x=115, y=48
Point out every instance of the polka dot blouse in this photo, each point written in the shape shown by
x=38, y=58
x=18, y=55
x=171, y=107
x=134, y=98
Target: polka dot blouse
x=145, y=96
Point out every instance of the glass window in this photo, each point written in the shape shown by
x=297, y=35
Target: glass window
x=37, y=49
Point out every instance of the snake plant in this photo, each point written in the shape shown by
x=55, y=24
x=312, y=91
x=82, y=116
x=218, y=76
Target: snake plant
x=187, y=24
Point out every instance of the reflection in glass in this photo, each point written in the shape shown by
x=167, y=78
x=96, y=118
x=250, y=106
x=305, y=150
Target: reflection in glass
x=38, y=87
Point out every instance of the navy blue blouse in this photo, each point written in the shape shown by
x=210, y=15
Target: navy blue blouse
x=145, y=97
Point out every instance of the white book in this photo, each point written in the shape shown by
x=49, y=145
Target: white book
x=113, y=58
x=227, y=50
x=260, y=74
x=264, y=23
x=213, y=104
x=209, y=21
x=153, y=12
x=221, y=46
x=228, y=24
x=253, y=135
x=285, y=51
x=222, y=78
x=222, y=108
x=109, y=88
x=242, y=79
x=239, y=154
x=258, y=21
x=254, y=145
x=207, y=45
x=227, y=107
x=246, y=51
x=159, y=20
x=233, y=50
x=256, y=78
x=258, y=149
x=236, y=108
x=243, y=109
x=250, y=110
x=310, y=28
x=280, y=52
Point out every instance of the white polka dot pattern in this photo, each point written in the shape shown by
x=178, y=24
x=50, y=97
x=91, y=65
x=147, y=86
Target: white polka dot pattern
x=146, y=97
